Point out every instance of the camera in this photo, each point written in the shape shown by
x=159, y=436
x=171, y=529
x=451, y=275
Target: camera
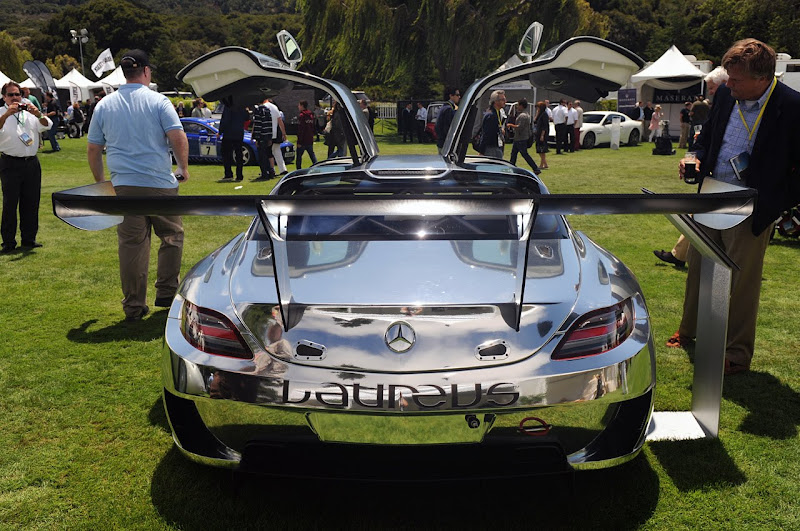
x=23, y=106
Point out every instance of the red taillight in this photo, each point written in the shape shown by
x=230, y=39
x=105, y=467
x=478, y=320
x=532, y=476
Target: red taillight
x=212, y=332
x=597, y=332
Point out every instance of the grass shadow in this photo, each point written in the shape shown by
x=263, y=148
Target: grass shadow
x=773, y=408
x=157, y=416
x=192, y=496
x=147, y=329
x=792, y=243
x=19, y=253
x=697, y=464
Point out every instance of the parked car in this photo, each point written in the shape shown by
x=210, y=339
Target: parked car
x=430, y=123
x=596, y=129
x=405, y=315
x=205, y=143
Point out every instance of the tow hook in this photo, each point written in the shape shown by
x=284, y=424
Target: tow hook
x=474, y=422
x=529, y=426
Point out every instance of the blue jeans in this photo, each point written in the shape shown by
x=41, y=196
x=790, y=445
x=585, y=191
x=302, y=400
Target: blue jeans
x=52, y=135
x=521, y=147
x=307, y=148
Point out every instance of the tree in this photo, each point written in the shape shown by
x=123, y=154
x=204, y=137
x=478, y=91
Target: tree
x=415, y=44
x=116, y=24
x=11, y=58
x=61, y=65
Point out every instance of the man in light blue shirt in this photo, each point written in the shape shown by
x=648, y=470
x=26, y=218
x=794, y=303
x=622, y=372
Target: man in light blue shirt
x=137, y=126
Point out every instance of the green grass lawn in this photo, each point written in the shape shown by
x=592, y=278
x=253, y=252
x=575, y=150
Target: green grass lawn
x=86, y=445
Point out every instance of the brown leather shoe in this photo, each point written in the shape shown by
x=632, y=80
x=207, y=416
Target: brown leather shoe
x=679, y=341
x=668, y=257
x=734, y=368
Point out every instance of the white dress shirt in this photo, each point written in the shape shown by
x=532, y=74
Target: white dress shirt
x=23, y=122
x=560, y=115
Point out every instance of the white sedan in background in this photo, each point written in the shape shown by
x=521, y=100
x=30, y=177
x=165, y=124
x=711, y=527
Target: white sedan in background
x=596, y=129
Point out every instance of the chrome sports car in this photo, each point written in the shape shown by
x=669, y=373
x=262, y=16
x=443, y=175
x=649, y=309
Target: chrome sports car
x=205, y=143
x=434, y=313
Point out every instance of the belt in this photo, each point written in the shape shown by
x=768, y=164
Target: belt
x=18, y=158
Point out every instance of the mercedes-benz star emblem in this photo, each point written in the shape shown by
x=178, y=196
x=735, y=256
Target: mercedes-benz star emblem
x=400, y=337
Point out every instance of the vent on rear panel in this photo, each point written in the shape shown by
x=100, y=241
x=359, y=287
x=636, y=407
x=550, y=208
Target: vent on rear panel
x=307, y=350
x=493, y=350
x=401, y=172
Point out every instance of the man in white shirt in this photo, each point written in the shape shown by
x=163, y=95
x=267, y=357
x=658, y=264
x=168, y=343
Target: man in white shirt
x=421, y=119
x=560, y=121
x=578, y=124
x=278, y=135
x=20, y=172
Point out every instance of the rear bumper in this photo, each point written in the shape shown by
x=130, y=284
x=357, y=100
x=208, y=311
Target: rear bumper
x=224, y=415
x=292, y=449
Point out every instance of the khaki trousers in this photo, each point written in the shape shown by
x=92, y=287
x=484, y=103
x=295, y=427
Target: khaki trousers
x=748, y=253
x=683, y=142
x=133, y=236
x=681, y=249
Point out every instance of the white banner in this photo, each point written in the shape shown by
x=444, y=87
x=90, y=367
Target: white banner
x=75, y=92
x=105, y=61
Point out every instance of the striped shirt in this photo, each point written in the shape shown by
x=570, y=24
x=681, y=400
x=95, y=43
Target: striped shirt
x=262, y=123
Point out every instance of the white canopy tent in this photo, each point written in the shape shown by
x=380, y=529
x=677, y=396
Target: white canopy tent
x=117, y=78
x=4, y=79
x=671, y=71
x=75, y=79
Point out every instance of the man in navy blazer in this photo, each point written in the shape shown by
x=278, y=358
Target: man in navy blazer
x=753, y=122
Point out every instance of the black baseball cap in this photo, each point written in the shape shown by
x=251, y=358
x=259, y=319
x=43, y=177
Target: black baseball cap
x=134, y=59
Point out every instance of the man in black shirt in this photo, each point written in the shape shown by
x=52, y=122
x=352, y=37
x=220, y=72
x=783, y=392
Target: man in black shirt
x=54, y=113
x=648, y=115
x=446, y=114
x=686, y=124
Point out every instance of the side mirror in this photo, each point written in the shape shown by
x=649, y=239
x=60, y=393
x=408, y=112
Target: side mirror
x=289, y=48
x=529, y=44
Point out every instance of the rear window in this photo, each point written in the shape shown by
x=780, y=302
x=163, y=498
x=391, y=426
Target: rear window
x=593, y=118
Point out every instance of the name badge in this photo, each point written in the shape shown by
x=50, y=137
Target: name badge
x=26, y=139
x=740, y=163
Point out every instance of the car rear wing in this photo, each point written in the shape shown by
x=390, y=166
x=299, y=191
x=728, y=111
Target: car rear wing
x=387, y=217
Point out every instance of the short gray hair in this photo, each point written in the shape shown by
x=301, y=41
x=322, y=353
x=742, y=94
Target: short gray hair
x=717, y=76
x=496, y=96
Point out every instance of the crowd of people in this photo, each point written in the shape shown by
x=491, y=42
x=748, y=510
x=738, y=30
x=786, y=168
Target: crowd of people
x=525, y=128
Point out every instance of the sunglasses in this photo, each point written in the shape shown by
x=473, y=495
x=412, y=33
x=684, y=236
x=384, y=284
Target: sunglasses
x=13, y=94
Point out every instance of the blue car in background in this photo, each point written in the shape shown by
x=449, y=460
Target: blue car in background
x=205, y=143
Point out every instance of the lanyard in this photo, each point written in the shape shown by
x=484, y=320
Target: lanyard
x=20, y=122
x=499, y=119
x=760, y=113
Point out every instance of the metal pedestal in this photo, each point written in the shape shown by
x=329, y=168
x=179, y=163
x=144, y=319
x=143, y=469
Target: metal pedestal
x=709, y=361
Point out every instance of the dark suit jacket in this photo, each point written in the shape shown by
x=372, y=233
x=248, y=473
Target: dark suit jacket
x=775, y=160
x=443, y=122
